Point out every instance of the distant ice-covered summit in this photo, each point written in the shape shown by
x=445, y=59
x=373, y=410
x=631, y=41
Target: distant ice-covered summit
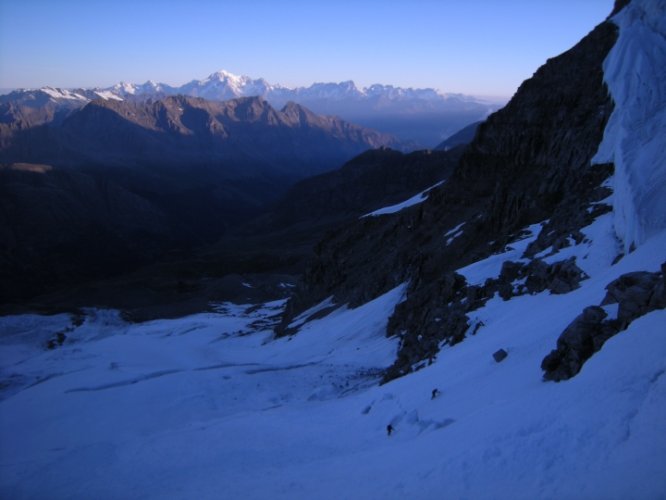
x=149, y=88
x=223, y=85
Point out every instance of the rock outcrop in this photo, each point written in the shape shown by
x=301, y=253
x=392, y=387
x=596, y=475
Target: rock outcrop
x=635, y=295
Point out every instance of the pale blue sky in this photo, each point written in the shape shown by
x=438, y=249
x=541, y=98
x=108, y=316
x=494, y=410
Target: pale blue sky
x=481, y=47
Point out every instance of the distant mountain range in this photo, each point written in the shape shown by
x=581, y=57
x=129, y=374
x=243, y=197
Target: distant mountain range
x=425, y=116
x=244, y=136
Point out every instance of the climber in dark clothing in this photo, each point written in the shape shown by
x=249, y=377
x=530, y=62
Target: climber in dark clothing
x=389, y=429
x=435, y=393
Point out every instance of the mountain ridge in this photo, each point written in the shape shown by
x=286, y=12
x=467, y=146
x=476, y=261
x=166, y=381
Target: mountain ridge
x=424, y=115
x=135, y=132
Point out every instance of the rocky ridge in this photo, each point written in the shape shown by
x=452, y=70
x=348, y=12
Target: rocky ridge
x=232, y=136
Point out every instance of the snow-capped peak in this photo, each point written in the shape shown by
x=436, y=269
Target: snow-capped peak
x=123, y=88
x=108, y=95
x=57, y=93
x=226, y=75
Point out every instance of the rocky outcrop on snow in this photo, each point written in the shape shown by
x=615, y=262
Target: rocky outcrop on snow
x=445, y=320
x=629, y=297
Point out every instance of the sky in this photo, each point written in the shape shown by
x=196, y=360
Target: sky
x=478, y=47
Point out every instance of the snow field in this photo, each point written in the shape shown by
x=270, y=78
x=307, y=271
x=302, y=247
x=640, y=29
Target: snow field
x=210, y=406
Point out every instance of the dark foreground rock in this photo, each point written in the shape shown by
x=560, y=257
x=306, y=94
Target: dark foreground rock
x=635, y=294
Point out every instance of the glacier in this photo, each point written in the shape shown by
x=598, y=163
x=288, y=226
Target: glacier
x=634, y=138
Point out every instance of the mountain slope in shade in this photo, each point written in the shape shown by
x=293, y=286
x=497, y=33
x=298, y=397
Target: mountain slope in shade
x=197, y=166
x=286, y=232
x=462, y=137
x=520, y=166
x=245, y=133
x=526, y=201
x=369, y=181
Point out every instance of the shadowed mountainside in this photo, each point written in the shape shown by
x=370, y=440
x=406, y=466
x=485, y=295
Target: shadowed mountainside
x=528, y=162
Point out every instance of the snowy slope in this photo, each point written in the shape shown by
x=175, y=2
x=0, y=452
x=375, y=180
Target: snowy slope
x=210, y=406
x=414, y=200
x=63, y=94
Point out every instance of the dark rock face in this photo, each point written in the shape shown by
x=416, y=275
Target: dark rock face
x=636, y=295
x=577, y=344
x=535, y=277
x=528, y=162
x=445, y=323
x=444, y=320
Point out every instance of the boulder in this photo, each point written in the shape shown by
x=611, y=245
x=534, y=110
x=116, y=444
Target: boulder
x=636, y=294
x=500, y=355
x=575, y=345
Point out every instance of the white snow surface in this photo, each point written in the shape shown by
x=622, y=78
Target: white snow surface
x=63, y=94
x=410, y=202
x=635, y=136
x=108, y=95
x=478, y=272
x=212, y=406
